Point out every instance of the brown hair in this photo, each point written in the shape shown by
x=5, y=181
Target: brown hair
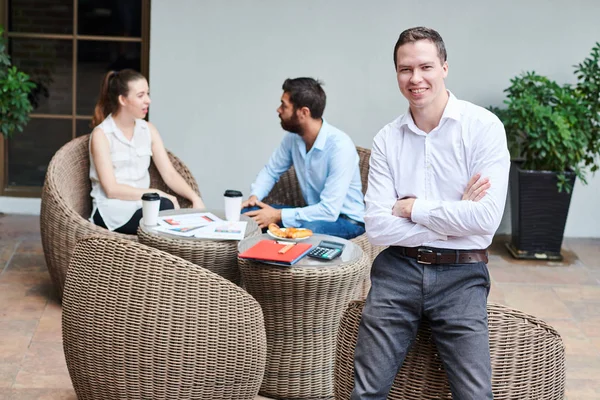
x=421, y=33
x=306, y=92
x=114, y=84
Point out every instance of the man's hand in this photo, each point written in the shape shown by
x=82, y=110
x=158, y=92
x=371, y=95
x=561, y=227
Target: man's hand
x=265, y=215
x=475, y=191
x=403, y=207
x=251, y=202
x=476, y=188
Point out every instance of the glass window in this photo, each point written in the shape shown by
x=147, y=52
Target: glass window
x=40, y=40
x=94, y=60
x=110, y=17
x=34, y=16
x=83, y=127
x=30, y=151
x=49, y=64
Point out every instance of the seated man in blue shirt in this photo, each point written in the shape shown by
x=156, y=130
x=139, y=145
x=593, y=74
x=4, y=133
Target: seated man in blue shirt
x=326, y=164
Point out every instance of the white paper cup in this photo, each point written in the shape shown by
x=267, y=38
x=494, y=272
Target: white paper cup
x=150, y=208
x=233, y=205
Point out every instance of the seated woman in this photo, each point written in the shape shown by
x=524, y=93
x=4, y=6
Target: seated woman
x=120, y=149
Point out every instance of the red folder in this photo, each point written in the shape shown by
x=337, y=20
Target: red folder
x=268, y=251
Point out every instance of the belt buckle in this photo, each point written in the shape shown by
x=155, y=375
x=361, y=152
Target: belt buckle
x=420, y=252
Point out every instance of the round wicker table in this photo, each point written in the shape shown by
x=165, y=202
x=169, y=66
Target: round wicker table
x=218, y=256
x=302, y=306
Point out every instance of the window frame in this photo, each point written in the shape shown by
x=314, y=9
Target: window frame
x=34, y=191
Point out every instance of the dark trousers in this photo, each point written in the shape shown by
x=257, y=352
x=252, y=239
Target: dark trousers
x=452, y=297
x=131, y=226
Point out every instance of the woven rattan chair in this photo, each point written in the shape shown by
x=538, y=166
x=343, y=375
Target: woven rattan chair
x=287, y=191
x=67, y=205
x=528, y=359
x=139, y=323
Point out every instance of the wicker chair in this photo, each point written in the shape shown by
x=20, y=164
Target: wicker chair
x=139, y=323
x=528, y=359
x=67, y=205
x=287, y=191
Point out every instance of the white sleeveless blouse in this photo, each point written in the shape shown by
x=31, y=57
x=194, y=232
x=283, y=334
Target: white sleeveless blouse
x=130, y=160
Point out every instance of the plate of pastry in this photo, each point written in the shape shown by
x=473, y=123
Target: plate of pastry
x=293, y=234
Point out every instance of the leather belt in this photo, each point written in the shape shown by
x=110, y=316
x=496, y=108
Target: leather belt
x=430, y=255
x=352, y=221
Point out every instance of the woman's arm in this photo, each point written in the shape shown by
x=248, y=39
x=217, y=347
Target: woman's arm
x=100, y=150
x=168, y=173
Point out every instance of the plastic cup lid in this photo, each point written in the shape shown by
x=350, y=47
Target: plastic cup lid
x=233, y=193
x=150, y=196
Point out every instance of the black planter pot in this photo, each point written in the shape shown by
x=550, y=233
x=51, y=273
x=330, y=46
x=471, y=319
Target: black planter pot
x=539, y=213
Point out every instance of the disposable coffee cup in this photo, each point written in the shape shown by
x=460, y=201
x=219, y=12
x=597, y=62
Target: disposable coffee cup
x=233, y=205
x=150, y=207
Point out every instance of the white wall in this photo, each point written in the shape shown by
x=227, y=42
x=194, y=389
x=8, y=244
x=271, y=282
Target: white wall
x=216, y=69
x=18, y=205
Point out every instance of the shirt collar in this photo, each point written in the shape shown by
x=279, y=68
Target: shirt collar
x=322, y=136
x=116, y=131
x=119, y=134
x=451, y=111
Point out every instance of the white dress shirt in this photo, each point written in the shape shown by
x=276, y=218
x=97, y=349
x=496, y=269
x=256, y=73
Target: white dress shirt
x=435, y=168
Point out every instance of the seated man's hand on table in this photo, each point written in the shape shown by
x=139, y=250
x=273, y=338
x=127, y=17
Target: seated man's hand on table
x=265, y=216
x=251, y=202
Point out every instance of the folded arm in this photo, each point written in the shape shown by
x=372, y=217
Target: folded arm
x=490, y=157
x=382, y=227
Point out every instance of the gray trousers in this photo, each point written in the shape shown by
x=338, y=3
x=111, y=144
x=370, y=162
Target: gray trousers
x=452, y=297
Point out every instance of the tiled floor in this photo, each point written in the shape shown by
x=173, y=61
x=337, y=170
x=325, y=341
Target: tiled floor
x=32, y=365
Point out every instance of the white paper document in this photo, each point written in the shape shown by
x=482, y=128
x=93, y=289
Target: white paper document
x=224, y=230
x=186, y=224
x=188, y=220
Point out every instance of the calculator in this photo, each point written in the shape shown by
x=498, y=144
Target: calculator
x=327, y=250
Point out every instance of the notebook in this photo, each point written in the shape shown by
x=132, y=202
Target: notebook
x=268, y=251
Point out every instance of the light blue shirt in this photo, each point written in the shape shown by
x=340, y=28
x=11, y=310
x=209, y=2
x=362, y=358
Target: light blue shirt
x=328, y=175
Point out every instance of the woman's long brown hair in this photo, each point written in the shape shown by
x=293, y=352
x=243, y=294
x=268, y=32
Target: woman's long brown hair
x=114, y=84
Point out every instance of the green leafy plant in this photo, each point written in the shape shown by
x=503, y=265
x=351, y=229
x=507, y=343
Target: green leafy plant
x=552, y=127
x=15, y=88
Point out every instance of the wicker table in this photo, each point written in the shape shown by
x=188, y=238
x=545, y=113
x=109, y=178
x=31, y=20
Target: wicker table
x=218, y=256
x=302, y=307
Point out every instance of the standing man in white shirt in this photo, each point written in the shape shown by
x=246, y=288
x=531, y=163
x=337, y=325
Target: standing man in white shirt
x=326, y=164
x=437, y=188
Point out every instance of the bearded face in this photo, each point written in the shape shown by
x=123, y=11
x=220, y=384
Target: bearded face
x=291, y=124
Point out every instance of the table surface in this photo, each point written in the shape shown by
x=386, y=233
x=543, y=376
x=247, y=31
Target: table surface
x=251, y=227
x=351, y=251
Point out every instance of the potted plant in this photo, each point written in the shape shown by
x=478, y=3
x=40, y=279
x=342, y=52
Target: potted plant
x=553, y=133
x=15, y=88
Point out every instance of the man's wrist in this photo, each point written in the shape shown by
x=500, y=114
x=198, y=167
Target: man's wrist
x=421, y=210
x=255, y=197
